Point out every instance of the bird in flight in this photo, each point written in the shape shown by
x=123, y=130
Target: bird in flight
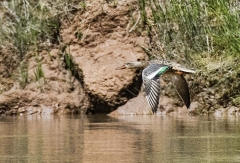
x=152, y=70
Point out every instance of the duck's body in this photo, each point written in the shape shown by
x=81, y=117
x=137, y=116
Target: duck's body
x=151, y=74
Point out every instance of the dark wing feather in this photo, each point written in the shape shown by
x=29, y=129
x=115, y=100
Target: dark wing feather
x=152, y=90
x=181, y=86
x=151, y=83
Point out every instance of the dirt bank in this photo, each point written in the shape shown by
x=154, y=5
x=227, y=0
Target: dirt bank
x=73, y=69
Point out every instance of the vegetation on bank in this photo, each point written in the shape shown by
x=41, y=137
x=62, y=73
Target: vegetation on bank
x=29, y=25
x=202, y=33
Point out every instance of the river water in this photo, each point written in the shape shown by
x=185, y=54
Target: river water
x=103, y=139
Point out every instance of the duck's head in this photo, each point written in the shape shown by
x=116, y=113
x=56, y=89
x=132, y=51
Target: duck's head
x=132, y=65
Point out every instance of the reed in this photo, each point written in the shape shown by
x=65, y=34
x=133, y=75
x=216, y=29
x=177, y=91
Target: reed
x=202, y=33
x=24, y=22
x=197, y=26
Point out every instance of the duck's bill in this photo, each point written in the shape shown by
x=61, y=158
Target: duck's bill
x=121, y=67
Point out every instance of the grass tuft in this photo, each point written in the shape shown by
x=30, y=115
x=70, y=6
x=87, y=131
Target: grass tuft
x=195, y=26
x=203, y=34
x=39, y=72
x=23, y=75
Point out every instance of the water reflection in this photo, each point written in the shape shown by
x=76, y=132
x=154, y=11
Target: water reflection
x=36, y=138
x=121, y=139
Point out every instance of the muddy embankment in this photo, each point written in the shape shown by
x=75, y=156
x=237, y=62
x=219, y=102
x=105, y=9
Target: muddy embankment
x=79, y=75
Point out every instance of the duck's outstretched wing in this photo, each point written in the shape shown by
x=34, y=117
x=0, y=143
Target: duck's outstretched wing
x=151, y=83
x=181, y=86
x=152, y=90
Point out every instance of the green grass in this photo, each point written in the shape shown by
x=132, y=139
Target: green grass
x=27, y=23
x=68, y=61
x=197, y=26
x=202, y=34
x=23, y=68
x=39, y=71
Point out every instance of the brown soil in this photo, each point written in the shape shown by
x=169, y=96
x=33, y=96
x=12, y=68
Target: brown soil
x=94, y=82
x=98, y=40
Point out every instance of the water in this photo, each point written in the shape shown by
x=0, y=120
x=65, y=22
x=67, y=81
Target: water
x=103, y=139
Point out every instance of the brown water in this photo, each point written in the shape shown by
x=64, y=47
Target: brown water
x=102, y=139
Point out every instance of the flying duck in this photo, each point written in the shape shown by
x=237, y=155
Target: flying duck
x=152, y=70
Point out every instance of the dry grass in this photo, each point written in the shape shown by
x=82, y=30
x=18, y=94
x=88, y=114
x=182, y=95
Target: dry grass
x=201, y=34
x=27, y=24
